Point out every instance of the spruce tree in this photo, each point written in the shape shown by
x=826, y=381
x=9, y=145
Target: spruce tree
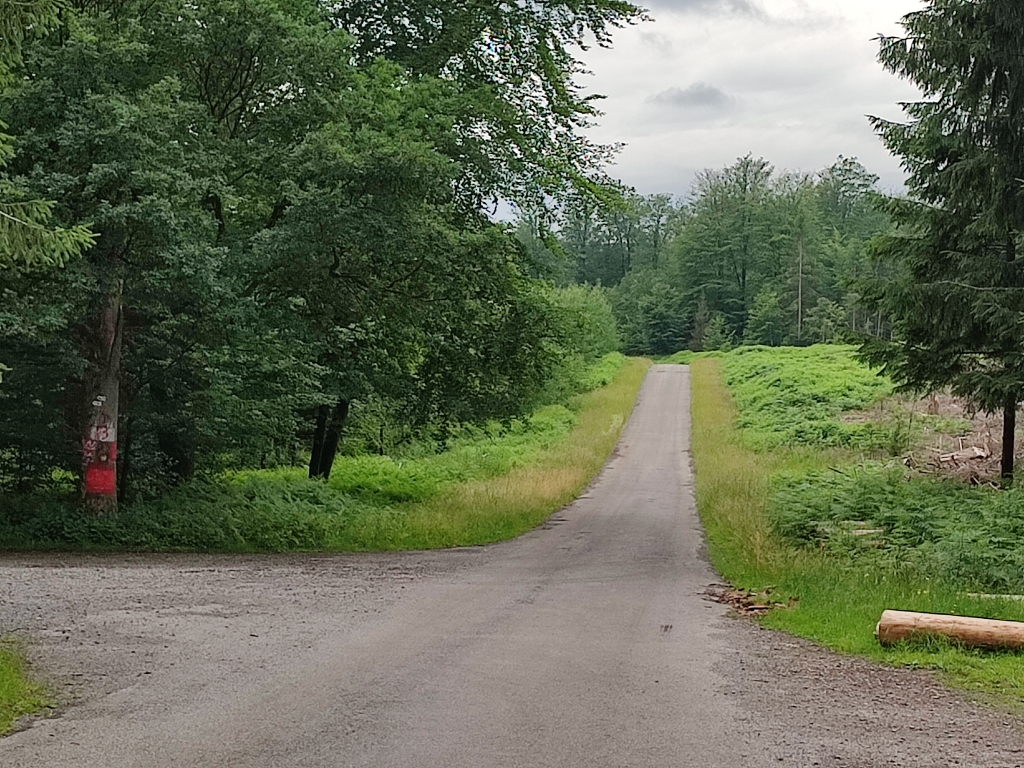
x=958, y=302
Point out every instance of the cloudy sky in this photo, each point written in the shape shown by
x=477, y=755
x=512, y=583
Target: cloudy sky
x=710, y=80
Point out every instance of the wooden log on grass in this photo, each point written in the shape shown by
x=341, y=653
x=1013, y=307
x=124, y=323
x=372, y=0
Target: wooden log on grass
x=980, y=633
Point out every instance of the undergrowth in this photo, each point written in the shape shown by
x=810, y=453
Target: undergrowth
x=795, y=395
x=784, y=520
x=493, y=482
x=878, y=517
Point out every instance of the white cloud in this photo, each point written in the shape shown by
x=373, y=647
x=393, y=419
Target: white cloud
x=711, y=80
x=717, y=7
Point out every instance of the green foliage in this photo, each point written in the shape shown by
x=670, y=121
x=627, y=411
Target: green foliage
x=516, y=63
x=585, y=322
x=765, y=257
x=652, y=313
x=969, y=537
x=717, y=335
x=765, y=325
x=826, y=321
x=582, y=332
x=281, y=510
x=26, y=240
x=794, y=396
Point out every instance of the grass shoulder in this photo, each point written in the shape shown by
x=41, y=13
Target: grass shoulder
x=837, y=595
x=493, y=482
x=19, y=696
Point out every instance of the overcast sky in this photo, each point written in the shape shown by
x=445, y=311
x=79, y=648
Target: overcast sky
x=710, y=80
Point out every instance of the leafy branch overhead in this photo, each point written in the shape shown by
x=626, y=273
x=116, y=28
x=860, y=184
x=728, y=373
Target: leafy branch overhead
x=26, y=239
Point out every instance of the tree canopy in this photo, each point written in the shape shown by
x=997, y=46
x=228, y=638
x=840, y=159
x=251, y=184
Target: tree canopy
x=290, y=233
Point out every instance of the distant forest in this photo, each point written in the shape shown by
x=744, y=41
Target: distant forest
x=751, y=256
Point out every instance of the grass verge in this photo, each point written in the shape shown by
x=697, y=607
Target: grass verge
x=492, y=483
x=838, y=601
x=489, y=509
x=18, y=696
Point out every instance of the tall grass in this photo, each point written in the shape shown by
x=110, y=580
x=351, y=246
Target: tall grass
x=836, y=601
x=501, y=506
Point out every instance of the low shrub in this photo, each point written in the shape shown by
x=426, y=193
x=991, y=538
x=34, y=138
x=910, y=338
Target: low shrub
x=971, y=537
x=795, y=395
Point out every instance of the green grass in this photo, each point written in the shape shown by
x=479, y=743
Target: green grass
x=838, y=599
x=500, y=505
x=795, y=395
x=493, y=482
x=18, y=696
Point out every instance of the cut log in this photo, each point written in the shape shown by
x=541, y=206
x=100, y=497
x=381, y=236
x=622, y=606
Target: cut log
x=980, y=633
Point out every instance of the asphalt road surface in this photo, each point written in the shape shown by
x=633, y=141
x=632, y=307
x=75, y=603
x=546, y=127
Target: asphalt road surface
x=587, y=643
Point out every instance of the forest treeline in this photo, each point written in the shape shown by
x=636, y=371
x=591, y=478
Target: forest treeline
x=752, y=256
x=243, y=233
x=250, y=233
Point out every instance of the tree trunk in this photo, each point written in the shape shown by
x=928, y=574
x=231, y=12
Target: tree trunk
x=800, y=292
x=322, y=414
x=895, y=626
x=333, y=436
x=326, y=438
x=1009, y=436
x=103, y=384
x=125, y=462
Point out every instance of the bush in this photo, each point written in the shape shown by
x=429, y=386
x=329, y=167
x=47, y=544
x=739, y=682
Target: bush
x=585, y=324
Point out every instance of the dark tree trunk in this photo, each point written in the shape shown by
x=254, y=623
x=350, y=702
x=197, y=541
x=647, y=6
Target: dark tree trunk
x=102, y=391
x=1009, y=436
x=329, y=423
x=124, y=469
x=322, y=414
x=333, y=436
x=178, y=448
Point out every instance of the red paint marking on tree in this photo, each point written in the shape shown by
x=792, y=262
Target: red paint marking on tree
x=101, y=480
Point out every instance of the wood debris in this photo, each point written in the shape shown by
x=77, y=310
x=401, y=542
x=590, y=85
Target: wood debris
x=746, y=602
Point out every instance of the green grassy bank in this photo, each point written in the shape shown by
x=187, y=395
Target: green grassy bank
x=743, y=476
x=492, y=483
x=501, y=506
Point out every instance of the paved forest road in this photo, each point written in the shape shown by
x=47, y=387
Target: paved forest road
x=587, y=643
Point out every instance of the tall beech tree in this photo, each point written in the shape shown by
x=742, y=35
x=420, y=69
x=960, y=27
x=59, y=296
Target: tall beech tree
x=288, y=226
x=958, y=304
